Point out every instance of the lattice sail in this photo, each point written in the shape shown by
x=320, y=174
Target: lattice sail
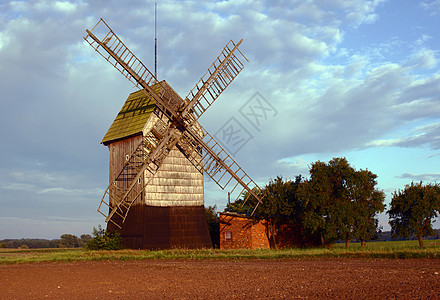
x=209, y=157
x=219, y=75
x=110, y=46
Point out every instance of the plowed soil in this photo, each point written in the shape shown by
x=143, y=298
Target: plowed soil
x=209, y=279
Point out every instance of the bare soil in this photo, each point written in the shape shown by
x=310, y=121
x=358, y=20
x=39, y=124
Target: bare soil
x=188, y=279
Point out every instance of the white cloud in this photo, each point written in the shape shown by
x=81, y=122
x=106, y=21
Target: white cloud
x=64, y=6
x=295, y=165
x=428, y=135
x=433, y=6
x=427, y=178
x=423, y=59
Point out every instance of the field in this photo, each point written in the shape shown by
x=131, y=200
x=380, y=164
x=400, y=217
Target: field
x=382, y=269
x=395, y=249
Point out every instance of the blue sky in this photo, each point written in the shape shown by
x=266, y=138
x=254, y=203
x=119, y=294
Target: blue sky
x=358, y=79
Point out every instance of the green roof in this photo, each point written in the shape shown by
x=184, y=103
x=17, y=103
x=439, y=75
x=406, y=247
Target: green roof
x=132, y=118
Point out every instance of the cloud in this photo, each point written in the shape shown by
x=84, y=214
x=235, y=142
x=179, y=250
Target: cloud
x=432, y=177
x=48, y=228
x=61, y=184
x=64, y=6
x=423, y=59
x=428, y=135
x=293, y=166
x=433, y=6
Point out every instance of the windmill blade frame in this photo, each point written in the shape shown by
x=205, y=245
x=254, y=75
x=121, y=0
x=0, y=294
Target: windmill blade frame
x=217, y=78
x=209, y=157
x=111, y=47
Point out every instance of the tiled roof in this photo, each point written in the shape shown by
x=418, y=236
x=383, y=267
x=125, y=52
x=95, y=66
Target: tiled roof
x=132, y=117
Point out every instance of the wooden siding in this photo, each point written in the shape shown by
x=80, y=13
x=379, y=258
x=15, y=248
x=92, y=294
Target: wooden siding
x=177, y=183
x=118, y=155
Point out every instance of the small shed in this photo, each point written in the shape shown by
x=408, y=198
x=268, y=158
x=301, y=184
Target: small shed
x=238, y=231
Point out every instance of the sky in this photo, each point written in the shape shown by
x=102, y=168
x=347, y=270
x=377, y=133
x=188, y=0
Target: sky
x=356, y=79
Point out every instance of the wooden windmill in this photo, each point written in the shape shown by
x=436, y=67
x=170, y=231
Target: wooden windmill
x=159, y=152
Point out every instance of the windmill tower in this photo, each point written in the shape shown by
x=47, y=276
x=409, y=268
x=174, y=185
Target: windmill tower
x=159, y=152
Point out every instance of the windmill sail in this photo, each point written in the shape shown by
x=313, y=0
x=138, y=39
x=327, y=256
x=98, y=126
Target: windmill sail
x=209, y=157
x=219, y=75
x=111, y=47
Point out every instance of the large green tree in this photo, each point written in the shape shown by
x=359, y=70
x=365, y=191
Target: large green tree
x=366, y=202
x=324, y=194
x=340, y=202
x=412, y=210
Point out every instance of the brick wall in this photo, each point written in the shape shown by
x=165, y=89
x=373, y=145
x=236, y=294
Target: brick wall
x=241, y=232
x=259, y=236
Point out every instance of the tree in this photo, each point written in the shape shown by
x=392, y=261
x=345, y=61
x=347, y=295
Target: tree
x=69, y=241
x=367, y=201
x=280, y=205
x=84, y=238
x=324, y=195
x=413, y=209
x=340, y=202
x=213, y=225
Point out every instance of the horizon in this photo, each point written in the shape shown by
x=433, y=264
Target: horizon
x=358, y=79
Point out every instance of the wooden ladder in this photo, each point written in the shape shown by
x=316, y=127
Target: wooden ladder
x=121, y=192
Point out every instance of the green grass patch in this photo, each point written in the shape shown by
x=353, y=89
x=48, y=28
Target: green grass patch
x=393, y=249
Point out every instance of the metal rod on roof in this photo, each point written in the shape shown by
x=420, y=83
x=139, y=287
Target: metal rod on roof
x=155, y=40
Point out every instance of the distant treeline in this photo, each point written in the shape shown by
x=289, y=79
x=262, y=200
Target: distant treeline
x=71, y=241
x=386, y=236
x=65, y=241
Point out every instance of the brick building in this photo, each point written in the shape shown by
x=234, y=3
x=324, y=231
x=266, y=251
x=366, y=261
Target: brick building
x=240, y=231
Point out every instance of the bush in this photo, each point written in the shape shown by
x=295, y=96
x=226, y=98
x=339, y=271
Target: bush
x=104, y=240
x=213, y=225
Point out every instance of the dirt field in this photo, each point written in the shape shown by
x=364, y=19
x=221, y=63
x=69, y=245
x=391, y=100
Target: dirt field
x=158, y=279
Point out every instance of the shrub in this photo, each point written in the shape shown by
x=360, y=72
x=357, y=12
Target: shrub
x=104, y=240
x=213, y=225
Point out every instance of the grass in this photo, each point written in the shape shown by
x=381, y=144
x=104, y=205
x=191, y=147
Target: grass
x=393, y=249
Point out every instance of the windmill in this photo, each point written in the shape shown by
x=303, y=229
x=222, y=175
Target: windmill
x=169, y=133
